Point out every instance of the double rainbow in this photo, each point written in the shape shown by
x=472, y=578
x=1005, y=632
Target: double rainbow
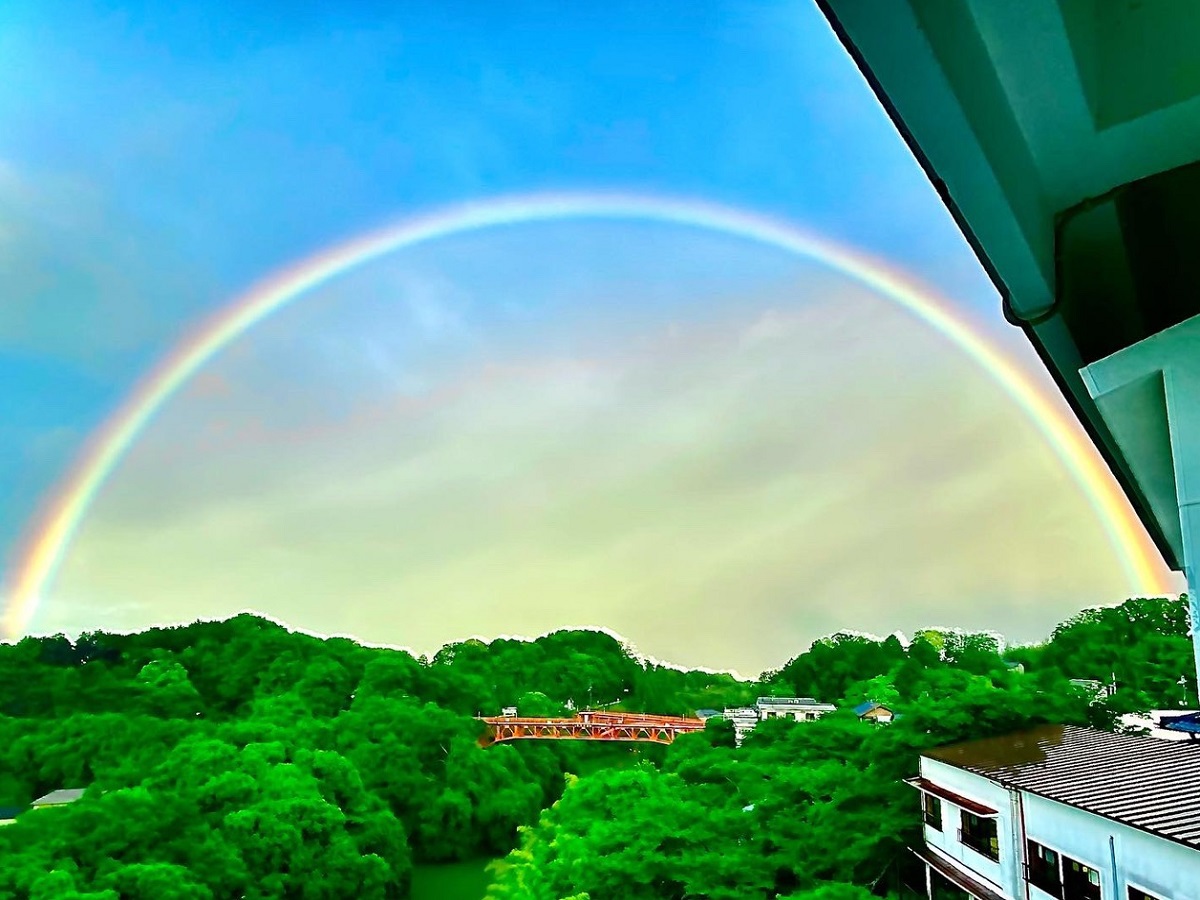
x=52, y=531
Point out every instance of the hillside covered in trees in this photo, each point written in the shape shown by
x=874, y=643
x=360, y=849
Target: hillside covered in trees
x=239, y=759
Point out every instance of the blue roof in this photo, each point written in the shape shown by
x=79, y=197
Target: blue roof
x=1189, y=724
x=866, y=707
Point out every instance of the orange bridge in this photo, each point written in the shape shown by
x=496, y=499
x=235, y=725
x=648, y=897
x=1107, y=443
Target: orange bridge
x=590, y=726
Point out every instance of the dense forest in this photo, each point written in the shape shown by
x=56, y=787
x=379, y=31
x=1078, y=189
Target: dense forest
x=240, y=759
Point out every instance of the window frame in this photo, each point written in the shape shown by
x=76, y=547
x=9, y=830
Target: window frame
x=986, y=851
x=1145, y=894
x=936, y=822
x=1030, y=843
x=1063, y=856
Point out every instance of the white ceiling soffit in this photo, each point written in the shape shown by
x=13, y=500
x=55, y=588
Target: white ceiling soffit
x=1025, y=109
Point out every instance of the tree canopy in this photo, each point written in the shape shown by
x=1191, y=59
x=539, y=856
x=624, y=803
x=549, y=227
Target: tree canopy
x=240, y=759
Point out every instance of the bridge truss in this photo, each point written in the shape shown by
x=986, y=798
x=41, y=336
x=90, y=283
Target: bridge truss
x=590, y=726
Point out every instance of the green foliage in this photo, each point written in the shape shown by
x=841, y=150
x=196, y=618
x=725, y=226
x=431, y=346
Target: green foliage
x=804, y=809
x=237, y=758
x=818, y=810
x=1144, y=643
x=833, y=891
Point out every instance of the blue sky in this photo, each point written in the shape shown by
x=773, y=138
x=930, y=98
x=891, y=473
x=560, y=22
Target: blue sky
x=156, y=159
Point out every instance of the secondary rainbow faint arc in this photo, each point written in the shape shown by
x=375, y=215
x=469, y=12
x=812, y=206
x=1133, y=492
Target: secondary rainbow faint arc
x=47, y=542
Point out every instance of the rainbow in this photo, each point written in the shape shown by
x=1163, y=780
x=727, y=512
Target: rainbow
x=46, y=542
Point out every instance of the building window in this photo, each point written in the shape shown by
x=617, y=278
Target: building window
x=932, y=807
x=1139, y=894
x=981, y=835
x=1079, y=882
x=1044, y=869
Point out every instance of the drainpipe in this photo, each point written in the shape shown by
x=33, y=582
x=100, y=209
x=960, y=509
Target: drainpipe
x=1112, y=854
x=1022, y=844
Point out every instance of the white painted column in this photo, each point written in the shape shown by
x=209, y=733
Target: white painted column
x=1181, y=381
x=1131, y=389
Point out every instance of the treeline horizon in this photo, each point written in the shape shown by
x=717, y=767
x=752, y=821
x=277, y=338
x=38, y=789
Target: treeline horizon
x=237, y=758
x=1004, y=643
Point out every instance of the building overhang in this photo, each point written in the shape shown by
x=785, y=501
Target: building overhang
x=936, y=790
x=1064, y=137
x=960, y=879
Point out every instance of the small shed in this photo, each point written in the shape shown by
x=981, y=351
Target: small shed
x=874, y=712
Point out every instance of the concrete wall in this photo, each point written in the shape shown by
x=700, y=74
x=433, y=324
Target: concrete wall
x=1159, y=866
x=1156, y=865
x=1006, y=874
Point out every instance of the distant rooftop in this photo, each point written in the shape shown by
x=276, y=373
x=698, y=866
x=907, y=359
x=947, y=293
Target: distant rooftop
x=1189, y=723
x=10, y=812
x=1143, y=782
x=863, y=708
x=741, y=711
x=790, y=701
x=57, y=798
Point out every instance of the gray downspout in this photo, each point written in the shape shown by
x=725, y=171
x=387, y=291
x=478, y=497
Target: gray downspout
x=1112, y=854
x=1022, y=843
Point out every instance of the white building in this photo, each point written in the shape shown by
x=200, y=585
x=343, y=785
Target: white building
x=744, y=718
x=802, y=709
x=1062, y=812
x=60, y=797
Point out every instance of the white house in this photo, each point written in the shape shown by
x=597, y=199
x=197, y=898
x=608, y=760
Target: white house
x=1061, y=812
x=874, y=712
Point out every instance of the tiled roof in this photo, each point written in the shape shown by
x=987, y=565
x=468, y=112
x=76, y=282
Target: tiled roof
x=1144, y=782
